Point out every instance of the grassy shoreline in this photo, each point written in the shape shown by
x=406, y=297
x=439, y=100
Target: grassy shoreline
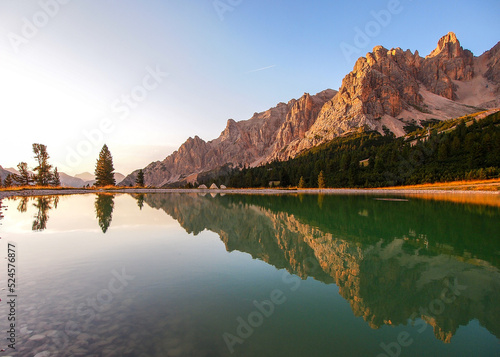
x=477, y=187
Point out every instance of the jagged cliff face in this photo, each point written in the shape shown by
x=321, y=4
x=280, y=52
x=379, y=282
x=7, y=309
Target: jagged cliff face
x=385, y=89
x=385, y=280
x=389, y=85
x=448, y=62
x=250, y=142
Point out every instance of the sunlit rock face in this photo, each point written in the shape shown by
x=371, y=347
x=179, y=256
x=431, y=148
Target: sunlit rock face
x=385, y=88
x=389, y=265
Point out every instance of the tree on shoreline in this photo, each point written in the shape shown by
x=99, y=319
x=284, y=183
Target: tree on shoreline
x=43, y=175
x=104, y=174
x=321, y=180
x=9, y=181
x=139, y=181
x=302, y=183
x=24, y=178
x=56, y=178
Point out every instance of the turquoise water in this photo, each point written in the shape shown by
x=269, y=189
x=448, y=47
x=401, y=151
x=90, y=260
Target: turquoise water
x=251, y=275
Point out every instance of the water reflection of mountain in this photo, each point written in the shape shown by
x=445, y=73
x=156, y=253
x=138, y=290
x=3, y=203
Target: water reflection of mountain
x=390, y=260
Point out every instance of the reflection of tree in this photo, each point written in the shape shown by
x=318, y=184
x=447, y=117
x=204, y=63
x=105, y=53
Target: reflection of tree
x=140, y=200
x=23, y=204
x=44, y=204
x=104, y=204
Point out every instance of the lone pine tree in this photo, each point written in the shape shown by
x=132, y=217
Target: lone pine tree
x=104, y=175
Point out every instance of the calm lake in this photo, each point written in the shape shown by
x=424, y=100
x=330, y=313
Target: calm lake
x=250, y=275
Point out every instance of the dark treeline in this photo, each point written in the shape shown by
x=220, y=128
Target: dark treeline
x=443, y=151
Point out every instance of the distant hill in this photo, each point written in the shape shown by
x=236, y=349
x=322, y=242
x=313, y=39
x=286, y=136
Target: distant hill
x=70, y=181
x=15, y=171
x=85, y=176
x=89, y=178
x=119, y=177
x=76, y=181
x=3, y=173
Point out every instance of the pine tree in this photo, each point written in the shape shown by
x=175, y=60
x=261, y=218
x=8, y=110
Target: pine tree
x=321, y=180
x=24, y=178
x=302, y=182
x=56, y=178
x=139, y=181
x=104, y=174
x=43, y=175
x=9, y=181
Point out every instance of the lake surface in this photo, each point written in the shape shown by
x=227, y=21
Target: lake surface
x=250, y=275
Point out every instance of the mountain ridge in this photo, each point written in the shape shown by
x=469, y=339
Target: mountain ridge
x=385, y=90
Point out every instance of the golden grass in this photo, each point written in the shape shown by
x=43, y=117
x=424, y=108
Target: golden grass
x=25, y=188
x=472, y=185
x=459, y=197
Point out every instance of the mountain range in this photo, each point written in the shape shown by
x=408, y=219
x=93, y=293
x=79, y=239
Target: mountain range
x=386, y=90
x=77, y=181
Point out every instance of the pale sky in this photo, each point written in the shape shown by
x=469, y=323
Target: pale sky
x=143, y=76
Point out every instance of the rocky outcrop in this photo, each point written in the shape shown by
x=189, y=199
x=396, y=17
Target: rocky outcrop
x=493, y=64
x=389, y=86
x=449, y=61
x=249, y=142
x=385, y=89
x=299, y=120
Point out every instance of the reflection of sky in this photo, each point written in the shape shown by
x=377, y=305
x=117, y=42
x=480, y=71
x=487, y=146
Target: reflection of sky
x=77, y=213
x=73, y=234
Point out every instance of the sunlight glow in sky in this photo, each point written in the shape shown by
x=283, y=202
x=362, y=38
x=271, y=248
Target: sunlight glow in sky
x=69, y=68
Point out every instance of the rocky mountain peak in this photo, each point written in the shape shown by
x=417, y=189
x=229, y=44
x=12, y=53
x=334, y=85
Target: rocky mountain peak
x=385, y=90
x=448, y=45
x=448, y=62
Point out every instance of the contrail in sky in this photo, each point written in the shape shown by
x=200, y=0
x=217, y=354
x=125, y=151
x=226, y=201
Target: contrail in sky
x=261, y=69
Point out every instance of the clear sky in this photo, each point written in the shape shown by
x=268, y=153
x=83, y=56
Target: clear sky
x=144, y=75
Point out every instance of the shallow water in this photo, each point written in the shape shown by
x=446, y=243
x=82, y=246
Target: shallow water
x=247, y=275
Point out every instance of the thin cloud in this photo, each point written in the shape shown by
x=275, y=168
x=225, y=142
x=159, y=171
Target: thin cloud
x=261, y=69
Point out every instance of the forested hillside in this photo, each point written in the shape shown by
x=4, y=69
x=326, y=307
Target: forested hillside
x=463, y=148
